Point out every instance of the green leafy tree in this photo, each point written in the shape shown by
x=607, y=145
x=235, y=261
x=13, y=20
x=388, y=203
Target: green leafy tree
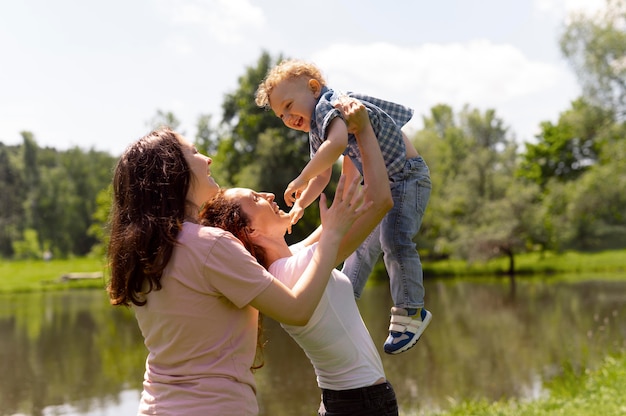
x=588, y=214
x=207, y=137
x=565, y=150
x=60, y=195
x=244, y=120
x=165, y=118
x=12, y=190
x=476, y=210
x=90, y=172
x=27, y=246
x=595, y=46
x=98, y=229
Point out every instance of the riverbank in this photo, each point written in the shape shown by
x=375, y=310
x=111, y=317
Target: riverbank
x=600, y=263
x=597, y=392
x=34, y=275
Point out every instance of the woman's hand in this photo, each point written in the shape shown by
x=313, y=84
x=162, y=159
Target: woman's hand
x=354, y=112
x=349, y=204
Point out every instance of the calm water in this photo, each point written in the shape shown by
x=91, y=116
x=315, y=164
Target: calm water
x=72, y=354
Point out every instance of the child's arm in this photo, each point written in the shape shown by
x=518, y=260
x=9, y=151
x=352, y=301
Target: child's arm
x=348, y=170
x=310, y=194
x=322, y=161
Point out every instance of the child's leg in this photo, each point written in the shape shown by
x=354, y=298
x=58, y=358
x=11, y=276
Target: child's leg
x=397, y=230
x=409, y=318
x=359, y=265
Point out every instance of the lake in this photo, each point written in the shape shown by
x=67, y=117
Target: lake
x=70, y=353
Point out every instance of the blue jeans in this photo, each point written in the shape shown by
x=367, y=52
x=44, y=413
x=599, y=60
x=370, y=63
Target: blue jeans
x=376, y=400
x=393, y=237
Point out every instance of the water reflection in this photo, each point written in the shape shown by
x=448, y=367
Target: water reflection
x=72, y=354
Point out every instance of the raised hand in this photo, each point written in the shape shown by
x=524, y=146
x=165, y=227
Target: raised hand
x=294, y=190
x=354, y=113
x=346, y=208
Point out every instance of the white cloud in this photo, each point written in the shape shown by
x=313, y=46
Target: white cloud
x=180, y=45
x=228, y=21
x=477, y=72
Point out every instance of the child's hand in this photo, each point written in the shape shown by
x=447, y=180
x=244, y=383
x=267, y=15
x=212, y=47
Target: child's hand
x=295, y=214
x=294, y=190
x=354, y=113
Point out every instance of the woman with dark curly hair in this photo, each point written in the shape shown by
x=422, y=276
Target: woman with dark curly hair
x=195, y=290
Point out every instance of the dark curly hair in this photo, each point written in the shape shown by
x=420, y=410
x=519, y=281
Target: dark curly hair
x=228, y=215
x=150, y=185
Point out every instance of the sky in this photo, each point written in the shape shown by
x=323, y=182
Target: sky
x=93, y=74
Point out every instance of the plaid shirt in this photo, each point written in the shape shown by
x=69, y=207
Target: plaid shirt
x=387, y=119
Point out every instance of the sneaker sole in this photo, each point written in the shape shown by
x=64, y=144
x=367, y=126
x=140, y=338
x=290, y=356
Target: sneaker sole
x=411, y=344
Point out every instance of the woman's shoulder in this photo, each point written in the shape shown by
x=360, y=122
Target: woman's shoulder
x=202, y=234
x=215, y=244
x=192, y=228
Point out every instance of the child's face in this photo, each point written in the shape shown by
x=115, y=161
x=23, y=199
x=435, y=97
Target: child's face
x=293, y=101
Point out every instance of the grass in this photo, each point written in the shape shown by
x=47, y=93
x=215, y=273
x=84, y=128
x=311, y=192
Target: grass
x=598, y=392
x=599, y=263
x=38, y=275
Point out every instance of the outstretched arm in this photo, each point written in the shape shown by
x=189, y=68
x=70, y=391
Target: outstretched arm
x=377, y=192
x=375, y=177
x=322, y=161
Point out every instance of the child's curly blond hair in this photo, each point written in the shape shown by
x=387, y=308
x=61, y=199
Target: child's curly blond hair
x=287, y=69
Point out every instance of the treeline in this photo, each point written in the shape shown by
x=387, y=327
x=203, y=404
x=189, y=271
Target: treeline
x=49, y=199
x=491, y=196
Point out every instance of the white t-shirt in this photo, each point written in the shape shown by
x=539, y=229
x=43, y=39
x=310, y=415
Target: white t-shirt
x=199, y=330
x=336, y=339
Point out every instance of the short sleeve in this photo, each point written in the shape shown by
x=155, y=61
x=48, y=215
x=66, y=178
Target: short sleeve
x=234, y=272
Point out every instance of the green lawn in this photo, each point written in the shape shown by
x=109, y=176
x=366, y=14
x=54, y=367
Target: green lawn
x=604, y=262
x=599, y=392
x=34, y=275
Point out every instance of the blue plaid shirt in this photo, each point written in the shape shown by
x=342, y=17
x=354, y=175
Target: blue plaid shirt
x=387, y=119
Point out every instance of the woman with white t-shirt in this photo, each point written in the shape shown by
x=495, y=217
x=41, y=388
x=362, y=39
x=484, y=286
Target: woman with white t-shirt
x=348, y=367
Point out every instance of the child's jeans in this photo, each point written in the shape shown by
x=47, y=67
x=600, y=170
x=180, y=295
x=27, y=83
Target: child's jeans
x=410, y=190
x=376, y=400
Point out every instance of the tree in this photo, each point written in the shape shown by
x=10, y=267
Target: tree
x=476, y=210
x=596, y=48
x=98, y=229
x=588, y=214
x=567, y=149
x=12, y=191
x=167, y=119
x=207, y=137
x=60, y=195
x=245, y=121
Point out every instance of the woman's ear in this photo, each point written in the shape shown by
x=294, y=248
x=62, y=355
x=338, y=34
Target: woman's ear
x=252, y=233
x=315, y=87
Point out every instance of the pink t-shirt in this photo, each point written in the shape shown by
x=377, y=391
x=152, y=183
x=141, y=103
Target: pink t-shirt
x=200, y=331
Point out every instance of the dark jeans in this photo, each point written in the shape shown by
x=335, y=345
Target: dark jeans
x=376, y=400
